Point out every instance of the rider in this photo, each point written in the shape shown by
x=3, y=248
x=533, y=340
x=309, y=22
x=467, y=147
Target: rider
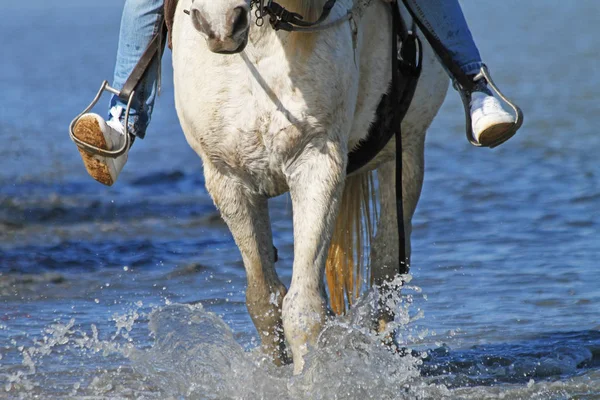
x=142, y=19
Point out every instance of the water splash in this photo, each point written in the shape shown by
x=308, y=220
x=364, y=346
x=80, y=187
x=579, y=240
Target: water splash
x=195, y=355
x=62, y=342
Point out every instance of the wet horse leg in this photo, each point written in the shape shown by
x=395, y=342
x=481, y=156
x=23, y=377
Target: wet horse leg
x=384, y=250
x=247, y=216
x=316, y=181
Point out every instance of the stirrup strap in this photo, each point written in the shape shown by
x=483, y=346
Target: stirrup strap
x=155, y=48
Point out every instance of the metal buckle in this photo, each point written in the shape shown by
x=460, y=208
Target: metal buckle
x=466, y=99
x=96, y=150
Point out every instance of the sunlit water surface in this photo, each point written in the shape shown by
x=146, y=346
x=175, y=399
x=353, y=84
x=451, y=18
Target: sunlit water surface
x=137, y=291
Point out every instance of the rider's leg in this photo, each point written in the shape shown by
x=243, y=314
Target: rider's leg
x=445, y=20
x=141, y=20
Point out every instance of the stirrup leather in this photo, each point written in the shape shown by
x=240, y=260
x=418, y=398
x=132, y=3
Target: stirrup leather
x=465, y=96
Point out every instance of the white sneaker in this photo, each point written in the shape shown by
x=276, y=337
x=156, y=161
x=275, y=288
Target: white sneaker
x=91, y=128
x=490, y=123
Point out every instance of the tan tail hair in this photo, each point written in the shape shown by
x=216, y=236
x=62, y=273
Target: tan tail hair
x=354, y=230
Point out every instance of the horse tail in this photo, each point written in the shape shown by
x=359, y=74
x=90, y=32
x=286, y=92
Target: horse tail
x=354, y=230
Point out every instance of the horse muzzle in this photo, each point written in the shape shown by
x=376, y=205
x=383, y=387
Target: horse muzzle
x=224, y=36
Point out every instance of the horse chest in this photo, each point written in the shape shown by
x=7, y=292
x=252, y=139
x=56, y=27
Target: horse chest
x=254, y=123
x=251, y=114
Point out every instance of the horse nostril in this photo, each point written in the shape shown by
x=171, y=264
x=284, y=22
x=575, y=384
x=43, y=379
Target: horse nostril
x=200, y=23
x=239, y=20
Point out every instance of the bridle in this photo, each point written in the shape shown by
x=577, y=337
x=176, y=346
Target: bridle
x=282, y=19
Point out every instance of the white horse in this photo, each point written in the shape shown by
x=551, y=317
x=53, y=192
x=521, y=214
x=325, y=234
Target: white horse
x=281, y=114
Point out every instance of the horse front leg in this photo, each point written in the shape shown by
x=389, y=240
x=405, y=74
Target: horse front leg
x=316, y=180
x=384, y=250
x=247, y=216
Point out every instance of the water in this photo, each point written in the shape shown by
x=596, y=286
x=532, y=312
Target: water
x=137, y=291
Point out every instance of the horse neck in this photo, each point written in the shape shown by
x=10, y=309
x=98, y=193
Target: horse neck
x=298, y=44
x=309, y=9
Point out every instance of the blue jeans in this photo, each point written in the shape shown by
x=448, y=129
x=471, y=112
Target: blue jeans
x=446, y=21
x=141, y=20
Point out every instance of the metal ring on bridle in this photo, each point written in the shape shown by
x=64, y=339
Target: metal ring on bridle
x=282, y=19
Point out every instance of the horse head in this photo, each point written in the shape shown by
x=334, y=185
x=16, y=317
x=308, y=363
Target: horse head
x=224, y=23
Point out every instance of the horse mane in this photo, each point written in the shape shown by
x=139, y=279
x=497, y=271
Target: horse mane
x=310, y=10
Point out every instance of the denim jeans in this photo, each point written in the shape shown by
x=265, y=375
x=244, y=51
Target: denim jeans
x=141, y=20
x=446, y=21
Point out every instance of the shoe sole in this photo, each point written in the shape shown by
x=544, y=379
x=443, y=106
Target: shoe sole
x=497, y=134
x=88, y=130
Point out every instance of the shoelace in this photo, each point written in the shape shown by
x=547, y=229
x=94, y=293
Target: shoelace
x=487, y=105
x=115, y=120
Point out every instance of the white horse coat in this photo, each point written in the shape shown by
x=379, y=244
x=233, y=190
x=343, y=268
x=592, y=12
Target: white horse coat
x=282, y=116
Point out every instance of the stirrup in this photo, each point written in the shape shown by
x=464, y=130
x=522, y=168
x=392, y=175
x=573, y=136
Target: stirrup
x=466, y=99
x=96, y=150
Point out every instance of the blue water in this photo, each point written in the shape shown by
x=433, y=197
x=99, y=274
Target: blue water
x=137, y=291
